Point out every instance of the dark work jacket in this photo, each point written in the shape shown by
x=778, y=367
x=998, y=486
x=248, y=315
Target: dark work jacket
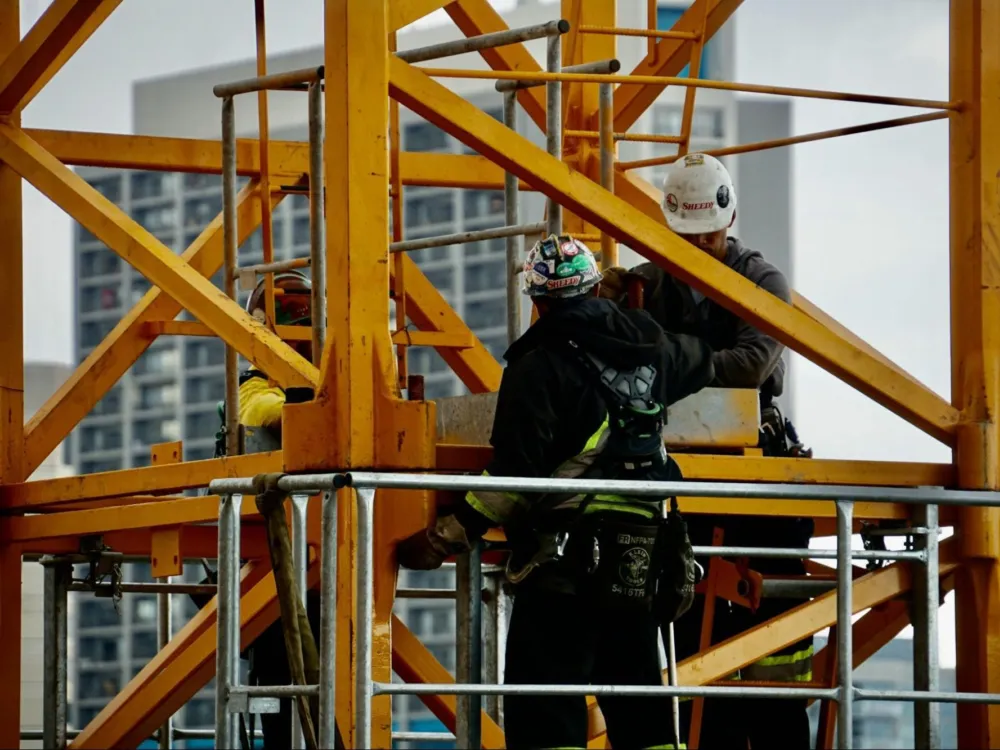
x=744, y=356
x=548, y=405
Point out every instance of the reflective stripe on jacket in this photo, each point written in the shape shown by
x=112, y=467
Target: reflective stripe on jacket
x=794, y=667
x=501, y=507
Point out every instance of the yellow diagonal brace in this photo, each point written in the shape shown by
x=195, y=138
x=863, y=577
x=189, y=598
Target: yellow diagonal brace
x=404, y=12
x=155, y=261
x=631, y=100
x=475, y=17
x=798, y=331
x=127, y=341
x=56, y=36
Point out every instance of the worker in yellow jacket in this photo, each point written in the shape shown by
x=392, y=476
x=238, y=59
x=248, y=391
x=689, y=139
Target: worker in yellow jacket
x=260, y=407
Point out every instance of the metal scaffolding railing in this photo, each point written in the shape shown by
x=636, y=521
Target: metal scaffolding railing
x=231, y=696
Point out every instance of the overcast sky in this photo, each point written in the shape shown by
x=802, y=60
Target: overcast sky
x=870, y=213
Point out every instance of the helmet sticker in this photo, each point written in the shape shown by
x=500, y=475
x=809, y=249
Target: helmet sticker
x=549, y=250
x=569, y=249
x=560, y=283
x=565, y=269
x=704, y=206
x=543, y=268
x=722, y=196
x=671, y=202
x=694, y=160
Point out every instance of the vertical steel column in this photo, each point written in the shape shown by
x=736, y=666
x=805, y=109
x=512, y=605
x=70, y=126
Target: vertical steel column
x=553, y=122
x=606, y=116
x=328, y=623
x=675, y=702
x=230, y=243
x=469, y=644
x=164, y=631
x=511, y=196
x=496, y=641
x=57, y=575
x=926, y=638
x=227, y=653
x=300, y=563
x=845, y=635
x=317, y=222
x=365, y=617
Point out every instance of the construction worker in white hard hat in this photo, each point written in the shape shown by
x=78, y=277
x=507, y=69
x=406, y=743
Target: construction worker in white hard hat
x=584, y=395
x=699, y=204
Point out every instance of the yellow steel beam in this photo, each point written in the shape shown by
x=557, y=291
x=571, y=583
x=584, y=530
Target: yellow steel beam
x=631, y=100
x=412, y=661
x=609, y=213
x=11, y=408
x=404, y=12
x=475, y=17
x=154, y=260
x=128, y=340
x=154, y=513
x=53, y=493
x=288, y=159
x=975, y=339
x=177, y=672
x=196, y=542
x=806, y=619
x=56, y=36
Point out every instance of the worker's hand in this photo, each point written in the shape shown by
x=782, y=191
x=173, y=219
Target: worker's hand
x=428, y=548
x=614, y=285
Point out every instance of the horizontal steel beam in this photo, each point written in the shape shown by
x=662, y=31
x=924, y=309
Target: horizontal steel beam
x=601, y=67
x=483, y=42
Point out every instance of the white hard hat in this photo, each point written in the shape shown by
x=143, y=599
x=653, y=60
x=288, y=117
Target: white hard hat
x=698, y=195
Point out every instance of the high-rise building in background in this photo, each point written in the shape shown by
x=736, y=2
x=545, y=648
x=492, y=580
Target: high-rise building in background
x=173, y=391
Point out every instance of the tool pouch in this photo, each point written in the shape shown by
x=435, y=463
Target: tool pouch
x=678, y=571
x=616, y=562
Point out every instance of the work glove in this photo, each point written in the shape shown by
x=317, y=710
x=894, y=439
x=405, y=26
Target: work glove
x=428, y=548
x=614, y=284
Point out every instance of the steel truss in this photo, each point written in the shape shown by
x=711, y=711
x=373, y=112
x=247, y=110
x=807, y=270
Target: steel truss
x=358, y=420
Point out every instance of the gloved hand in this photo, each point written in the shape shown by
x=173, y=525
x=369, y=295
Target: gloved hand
x=428, y=548
x=614, y=285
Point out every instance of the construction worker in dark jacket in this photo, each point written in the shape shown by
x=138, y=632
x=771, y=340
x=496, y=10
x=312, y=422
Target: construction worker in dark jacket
x=700, y=206
x=569, y=624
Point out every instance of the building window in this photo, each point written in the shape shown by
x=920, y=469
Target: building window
x=152, y=184
x=104, y=438
x=101, y=262
x=439, y=389
x=443, y=279
x=94, y=298
x=205, y=353
x=426, y=361
x=97, y=613
x=202, y=424
x=436, y=208
x=110, y=404
x=152, y=431
x=476, y=203
x=199, y=212
x=97, y=650
x=206, y=388
x=480, y=277
x=666, y=17
x=199, y=713
x=707, y=122
x=202, y=181
x=157, y=396
x=157, y=219
x=84, y=236
x=300, y=230
x=143, y=609
x=103, y=684
x=161, y=361
x=144, y=646
x=488, y=313
x=423, y=136
x=497, y=346
x=97, y=467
